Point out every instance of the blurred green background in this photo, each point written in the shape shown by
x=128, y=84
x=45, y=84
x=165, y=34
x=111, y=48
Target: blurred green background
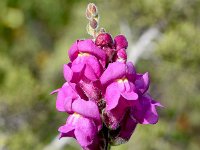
x=35, y=36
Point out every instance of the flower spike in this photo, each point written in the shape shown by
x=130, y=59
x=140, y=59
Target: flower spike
x=103, y=94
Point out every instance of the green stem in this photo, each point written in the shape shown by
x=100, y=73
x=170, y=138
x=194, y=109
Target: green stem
x=106, y=136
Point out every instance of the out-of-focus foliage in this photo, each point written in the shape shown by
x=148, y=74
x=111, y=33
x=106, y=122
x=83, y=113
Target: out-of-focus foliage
x=35, y=36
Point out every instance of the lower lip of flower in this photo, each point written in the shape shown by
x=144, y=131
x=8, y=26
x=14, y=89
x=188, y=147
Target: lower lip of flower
x=74, y=118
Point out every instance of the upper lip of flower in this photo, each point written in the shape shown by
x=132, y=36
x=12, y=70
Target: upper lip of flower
x=117, y=70
x=86, y=46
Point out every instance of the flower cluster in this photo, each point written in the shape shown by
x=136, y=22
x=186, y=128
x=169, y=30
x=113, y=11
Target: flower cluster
x=103, y=94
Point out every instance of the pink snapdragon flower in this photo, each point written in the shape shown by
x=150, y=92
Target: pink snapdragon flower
x=83, y=124
x=87, y=64
x=120, y=92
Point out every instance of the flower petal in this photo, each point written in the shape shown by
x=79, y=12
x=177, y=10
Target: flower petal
x=73, y=51
x=130, y=71
x=89, y=73
x=142, y=82
x=55, y=91
x=66, y=130
x=114, y=71
x=112, y=96
x=145, y=111
x=94, y=63
x=67, y=72
x=89, y=46
x=87, y=109
x=127, y=127
x=65, y=97
x=72, y=73
x=130, y=95
x=85, y=131
x=60, y=101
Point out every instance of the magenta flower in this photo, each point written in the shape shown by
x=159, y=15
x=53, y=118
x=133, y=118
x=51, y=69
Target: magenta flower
x=124, y=90
x=83, y=124
x=103, y=94
x=120, y=92
x=81, y=128
x=88, y=62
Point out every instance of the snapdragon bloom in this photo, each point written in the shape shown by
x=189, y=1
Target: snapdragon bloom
x=83, y=124
x=103, y=94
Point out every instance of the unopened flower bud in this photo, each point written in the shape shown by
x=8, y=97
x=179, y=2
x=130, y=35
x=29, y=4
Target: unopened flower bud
x=121, y=55
x=93, y=23
x=109, y=53
x=104, y=39
x=121, y=42
x=91, y=11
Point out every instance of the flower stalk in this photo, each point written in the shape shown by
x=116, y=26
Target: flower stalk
x=103, y=94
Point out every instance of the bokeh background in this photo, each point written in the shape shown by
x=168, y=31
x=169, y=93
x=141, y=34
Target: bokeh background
x=35, y=36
